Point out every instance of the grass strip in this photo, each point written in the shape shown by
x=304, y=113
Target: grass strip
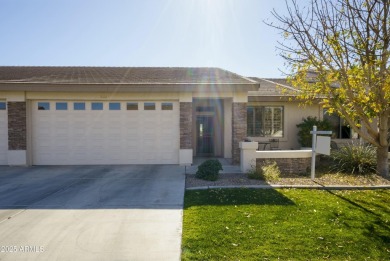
x=286, y=224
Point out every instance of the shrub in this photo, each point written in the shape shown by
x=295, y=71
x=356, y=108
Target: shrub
x=304, y=136
x=269, y=171
x=209, y=170
x=255, y=173
x=354, y=159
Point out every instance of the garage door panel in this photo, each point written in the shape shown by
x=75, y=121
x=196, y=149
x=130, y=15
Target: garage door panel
x=167, y=156
x=166, y=129
x=105, y=137
x=132, y=140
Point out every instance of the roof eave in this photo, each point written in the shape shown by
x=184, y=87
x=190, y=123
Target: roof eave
x=276, y=98
x=125, y=87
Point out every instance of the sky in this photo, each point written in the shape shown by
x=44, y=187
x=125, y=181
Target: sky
x=229, y=34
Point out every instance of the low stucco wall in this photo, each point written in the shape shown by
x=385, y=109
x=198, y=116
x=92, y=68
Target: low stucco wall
x=289, y=161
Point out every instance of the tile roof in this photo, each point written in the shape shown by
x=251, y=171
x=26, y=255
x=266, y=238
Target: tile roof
x=270, y=87
x=119, y=75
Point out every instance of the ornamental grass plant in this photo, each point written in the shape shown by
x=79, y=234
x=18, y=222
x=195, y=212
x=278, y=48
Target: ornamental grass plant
x=354, y=159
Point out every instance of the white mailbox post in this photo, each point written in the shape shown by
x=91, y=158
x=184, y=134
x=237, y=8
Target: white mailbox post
x=320, y=144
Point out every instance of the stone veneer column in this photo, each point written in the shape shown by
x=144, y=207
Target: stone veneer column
x=239, y=128
x=186, y=151
x=17, y=131
x=185, y=125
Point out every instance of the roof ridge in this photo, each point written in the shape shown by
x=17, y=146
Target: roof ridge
x=239, y=75
x=283, y=85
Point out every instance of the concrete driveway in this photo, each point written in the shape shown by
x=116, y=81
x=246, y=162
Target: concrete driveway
x=91, y=212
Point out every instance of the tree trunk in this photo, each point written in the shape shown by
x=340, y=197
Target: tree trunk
x=382, y=161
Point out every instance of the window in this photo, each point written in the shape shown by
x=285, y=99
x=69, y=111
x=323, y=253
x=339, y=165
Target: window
x=114, y=106
x=79, y=106
x=61, y=106
x=166, y=106
x=43, y=106
x=340, y=128
x=97, y=106
x=3, y=106
x=265, y=121
x=132, y=106
x=149, y=106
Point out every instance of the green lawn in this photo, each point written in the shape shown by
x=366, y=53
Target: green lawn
x=290, y=224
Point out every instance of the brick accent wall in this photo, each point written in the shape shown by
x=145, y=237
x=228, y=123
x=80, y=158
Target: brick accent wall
x=239, y=128
x=289, y=165
x=186, y=125
x=17, y=131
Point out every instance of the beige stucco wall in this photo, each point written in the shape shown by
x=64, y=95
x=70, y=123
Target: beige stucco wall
x=183, y=97
x=101, y=96
x=13, y=96
x=293, y=115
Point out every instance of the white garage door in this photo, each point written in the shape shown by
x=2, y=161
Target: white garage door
x=3, y=133
x=71, y=133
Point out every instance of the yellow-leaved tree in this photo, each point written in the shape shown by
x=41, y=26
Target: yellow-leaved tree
x=338, y=52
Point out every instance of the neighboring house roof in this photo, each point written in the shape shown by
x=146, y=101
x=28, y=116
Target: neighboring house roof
x=271, y=86
x=119, y=75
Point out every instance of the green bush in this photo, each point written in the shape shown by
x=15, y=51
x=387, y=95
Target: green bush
x=269, y=171
x=304, y=136
x=354, y=159
x=209, y=170
x=255, y=173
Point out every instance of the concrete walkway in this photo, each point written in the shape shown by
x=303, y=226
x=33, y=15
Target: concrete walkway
x=91, y=213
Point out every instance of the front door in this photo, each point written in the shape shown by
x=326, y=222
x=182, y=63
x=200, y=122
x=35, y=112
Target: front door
x=205, y=135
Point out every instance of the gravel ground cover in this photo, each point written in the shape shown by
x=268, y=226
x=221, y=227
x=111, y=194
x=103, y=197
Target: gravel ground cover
x=321, y=179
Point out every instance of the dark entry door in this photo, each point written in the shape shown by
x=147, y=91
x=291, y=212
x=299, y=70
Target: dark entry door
x=205, y=135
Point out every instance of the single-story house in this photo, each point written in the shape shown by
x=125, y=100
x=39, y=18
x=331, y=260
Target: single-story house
x=138, y=115
x=103, y=115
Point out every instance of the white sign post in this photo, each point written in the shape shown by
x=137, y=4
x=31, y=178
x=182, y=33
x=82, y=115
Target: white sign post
x=323, y=147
